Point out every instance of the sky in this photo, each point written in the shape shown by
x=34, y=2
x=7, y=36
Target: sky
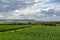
x=42, y=10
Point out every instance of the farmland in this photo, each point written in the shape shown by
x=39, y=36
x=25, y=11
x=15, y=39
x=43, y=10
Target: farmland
x=12, y=27
x=29, y=32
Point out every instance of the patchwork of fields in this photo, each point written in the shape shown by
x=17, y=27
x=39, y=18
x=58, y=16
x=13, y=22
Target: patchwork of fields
x=29, y=32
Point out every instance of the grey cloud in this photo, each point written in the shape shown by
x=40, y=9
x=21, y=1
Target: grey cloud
x=51, y=12
x=13, y=5
x=50, y=15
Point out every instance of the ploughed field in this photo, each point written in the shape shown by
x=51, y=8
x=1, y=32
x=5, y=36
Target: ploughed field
x=29, y=32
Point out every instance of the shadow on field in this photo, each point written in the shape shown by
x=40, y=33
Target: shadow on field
x=14, y=29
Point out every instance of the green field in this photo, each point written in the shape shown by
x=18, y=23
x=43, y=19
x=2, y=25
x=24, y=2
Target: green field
x=12, y=27
x=29, y=32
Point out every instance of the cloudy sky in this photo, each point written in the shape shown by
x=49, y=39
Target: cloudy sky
x=43, y=10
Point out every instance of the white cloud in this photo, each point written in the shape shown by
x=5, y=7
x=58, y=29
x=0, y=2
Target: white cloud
x=54, y=15
x=1, y=16
x=42, y=0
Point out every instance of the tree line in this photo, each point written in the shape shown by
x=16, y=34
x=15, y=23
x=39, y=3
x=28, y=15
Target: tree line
x=35, y=23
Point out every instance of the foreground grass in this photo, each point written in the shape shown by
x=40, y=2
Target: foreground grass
x=36, y=32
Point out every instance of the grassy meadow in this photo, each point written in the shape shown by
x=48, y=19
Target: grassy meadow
x=12, y=27
x=29, y=32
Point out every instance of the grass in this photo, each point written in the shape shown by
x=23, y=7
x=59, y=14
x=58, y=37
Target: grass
x=12, y=27
x=36, y=32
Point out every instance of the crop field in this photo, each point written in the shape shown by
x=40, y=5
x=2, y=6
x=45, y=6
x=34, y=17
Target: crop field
x=29, y=32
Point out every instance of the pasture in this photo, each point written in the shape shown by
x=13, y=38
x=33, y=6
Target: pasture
x=29, y=32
